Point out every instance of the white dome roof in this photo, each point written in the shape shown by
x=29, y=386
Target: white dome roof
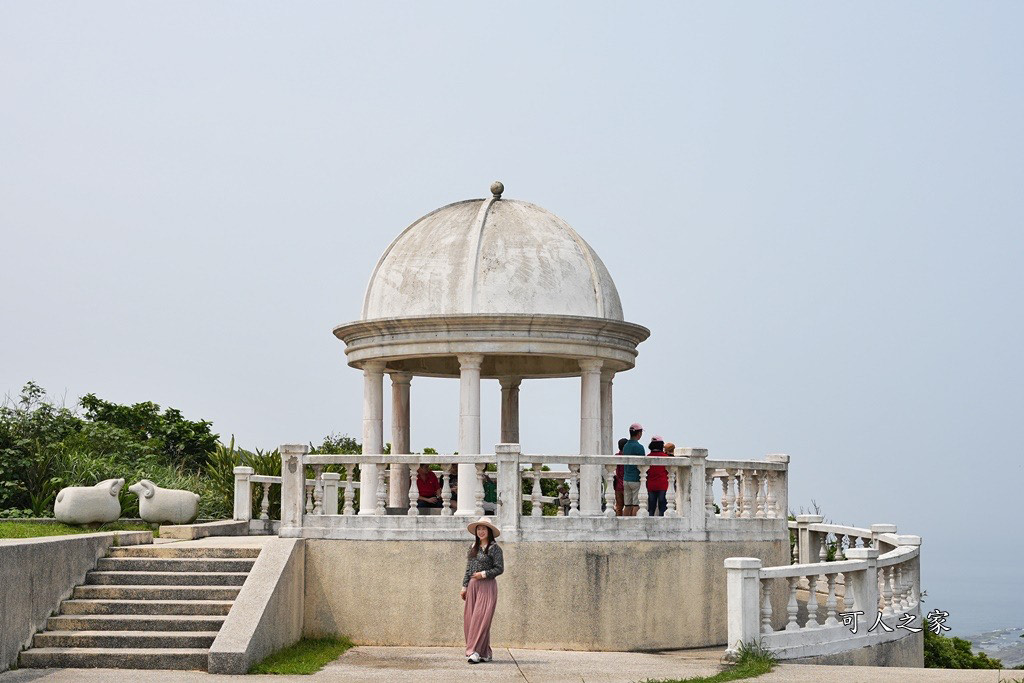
x=490, y=256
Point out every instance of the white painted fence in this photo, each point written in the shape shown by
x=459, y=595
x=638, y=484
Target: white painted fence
x=831, y=606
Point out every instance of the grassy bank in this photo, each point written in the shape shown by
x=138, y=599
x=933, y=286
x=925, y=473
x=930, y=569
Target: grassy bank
x=12, y=528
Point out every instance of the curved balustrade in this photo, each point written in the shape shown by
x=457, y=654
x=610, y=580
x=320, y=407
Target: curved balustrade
x=867, y=593
x=327, y=506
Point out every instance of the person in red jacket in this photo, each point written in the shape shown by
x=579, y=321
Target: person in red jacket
x=657, y=479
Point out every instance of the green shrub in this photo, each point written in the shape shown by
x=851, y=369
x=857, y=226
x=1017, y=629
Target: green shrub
x=941, y=652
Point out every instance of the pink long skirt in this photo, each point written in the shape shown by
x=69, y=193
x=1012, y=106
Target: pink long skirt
x=481, y=597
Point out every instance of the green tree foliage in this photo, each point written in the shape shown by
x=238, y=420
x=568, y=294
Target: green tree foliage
x=941, y=652
x=181, y=442
x=45, y=446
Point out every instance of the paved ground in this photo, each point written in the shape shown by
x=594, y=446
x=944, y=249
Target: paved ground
x=530, y=666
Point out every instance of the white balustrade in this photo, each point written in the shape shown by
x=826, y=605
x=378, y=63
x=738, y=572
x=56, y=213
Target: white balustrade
x=864, y=582
x=751, y=495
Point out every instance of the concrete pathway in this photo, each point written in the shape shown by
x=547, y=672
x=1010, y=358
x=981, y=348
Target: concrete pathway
x=529, y=666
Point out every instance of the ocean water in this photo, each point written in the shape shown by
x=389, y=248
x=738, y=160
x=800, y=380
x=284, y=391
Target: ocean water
x=1004, y=644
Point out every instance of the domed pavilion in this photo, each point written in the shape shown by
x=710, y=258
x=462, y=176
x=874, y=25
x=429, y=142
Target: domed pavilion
x=489, y=288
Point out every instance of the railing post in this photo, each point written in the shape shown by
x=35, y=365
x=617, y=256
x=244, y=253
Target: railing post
x=293, y=489
x=243, y=493
x=779, y=480
x=913, y=567
x=865, y=583
x=330, y=482
x=697, y=511
x=806, y=540
x=743, y=587
x=879, y=529
x=510, y=483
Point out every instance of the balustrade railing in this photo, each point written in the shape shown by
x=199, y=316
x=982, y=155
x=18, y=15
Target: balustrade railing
x=753, y=494
x=850, y=588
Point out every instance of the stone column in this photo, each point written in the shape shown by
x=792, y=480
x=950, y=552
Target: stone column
x=398, y=489
x=293, y=489
x=510, y=409
x=373, y=434
x=697, y=487
x=510, y=484
x=590, y=435
x=330, y=483
x=807, y=540
x=607, y=420
x=469, y=429
x=243, y=494
x=743, y=587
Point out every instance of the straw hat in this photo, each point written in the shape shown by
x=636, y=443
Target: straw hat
x=483, y=521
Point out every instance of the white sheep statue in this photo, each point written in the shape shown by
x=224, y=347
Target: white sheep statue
x=89, y=504
x=157, y=505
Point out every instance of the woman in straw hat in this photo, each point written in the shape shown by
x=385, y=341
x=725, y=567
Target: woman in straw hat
x=480, y=590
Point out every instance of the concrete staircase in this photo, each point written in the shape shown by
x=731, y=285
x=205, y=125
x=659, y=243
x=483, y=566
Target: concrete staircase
x=145, y=607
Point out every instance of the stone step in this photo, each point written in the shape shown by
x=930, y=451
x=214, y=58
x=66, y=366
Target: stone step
x=162, y=639
x=175, y=550
x=174, y=564
x=76, y=606
x=114, y=658
x=167, y=578
x=134, y=622
x=139, y=592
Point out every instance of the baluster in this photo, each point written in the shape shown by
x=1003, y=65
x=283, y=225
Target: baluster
x=670, y=494
x=609, y=491
x=318, y=490
x=900, y=590
x=771, y=503
x=709, y=493
x=574, y=491
x=812, y=602
x=747, y=501
x=535, y=495
x=759, y=497
x=414, y=491
x=792, y=607
x=822, y=546
x=911, y=585
x=830, y=601
x=887, y=606
x=349, y=494
x=728, y=493
x=382, y=492
x=265, y=503
x=840, y=553
x=309, y=499
x=480, y=488
x=446, y=494
x=642, y=511
x=849, y=598
x=766, y=605
x=795, y=552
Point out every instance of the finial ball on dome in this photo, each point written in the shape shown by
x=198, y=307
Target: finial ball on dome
x=497, y=188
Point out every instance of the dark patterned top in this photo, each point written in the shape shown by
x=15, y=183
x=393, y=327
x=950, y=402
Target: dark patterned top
x=491, y=562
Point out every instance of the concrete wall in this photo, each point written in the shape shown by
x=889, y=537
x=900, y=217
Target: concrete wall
x=567, y=595
x=907, y=651
x=38, y=573
x=267, y=614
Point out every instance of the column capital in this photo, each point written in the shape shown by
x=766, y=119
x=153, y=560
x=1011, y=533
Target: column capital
x=470, y=361
x=374, y=367
x=588, y=365
x=400, y=377
x=510, y=382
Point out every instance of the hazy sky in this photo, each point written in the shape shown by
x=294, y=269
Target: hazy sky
x=816, y=208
